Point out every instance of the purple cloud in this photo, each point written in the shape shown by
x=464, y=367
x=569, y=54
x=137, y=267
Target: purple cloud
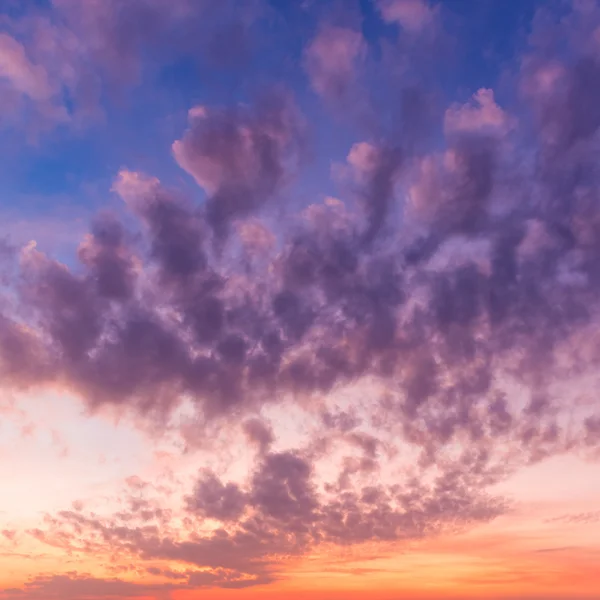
x=332, y=61
x=451, y=277
x=241, y=158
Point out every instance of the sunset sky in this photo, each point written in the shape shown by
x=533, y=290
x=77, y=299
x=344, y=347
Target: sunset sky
x=299, y=299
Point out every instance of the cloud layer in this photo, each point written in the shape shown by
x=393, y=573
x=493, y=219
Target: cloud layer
x=454, y=289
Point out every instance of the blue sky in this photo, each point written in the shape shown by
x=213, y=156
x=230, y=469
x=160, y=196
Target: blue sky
x=136, y=129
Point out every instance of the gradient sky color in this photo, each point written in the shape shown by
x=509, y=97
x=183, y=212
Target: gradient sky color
x=300, y=299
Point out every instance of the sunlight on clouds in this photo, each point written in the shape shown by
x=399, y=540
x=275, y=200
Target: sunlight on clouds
x=332, y=328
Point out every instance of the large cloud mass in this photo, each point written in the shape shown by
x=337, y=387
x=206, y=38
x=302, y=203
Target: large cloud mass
x=452, y=298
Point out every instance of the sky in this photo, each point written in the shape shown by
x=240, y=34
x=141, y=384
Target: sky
x=300, y=299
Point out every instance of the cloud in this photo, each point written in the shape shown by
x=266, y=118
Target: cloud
x=413, y=15
x=376, y=169
x=114, y=38
x=133, y=187
x=9, y=535
x=577, y=518
x=445, y=303
x=281, y=513
x=27, y=87
x=26, y=77
x=115, y=35
x=256, y=238
x=241, y=158
x=22, y=358
x=84, y=587
x=482, y=116
x=154, y=316
x=332, y=61
x=452, y=192
x=215, y=500
x=259, y=433
x=105, y=254
x=74, y=60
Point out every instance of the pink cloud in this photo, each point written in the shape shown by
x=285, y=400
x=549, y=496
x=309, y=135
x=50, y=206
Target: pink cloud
x=27, y=78
x=452, y=189
x=51, y=233
x=413, y=15
x=10, y=535
x=114, y=34
x=482, y=115
x=329, y=216
x=376, y=170
x=95, y=51
x=133, y=187
x=256, y=237
x=562, y=87
x=544, y=80
x=108, y=256
x=333, y=60
x=27, y=89
x=363, y=158
x=223, y=148
x=280, y=512
x=240, y=157
x=22, y=359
